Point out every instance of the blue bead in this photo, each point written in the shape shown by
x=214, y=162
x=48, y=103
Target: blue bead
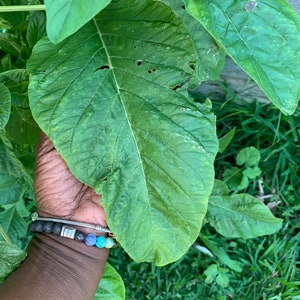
x=101, y=242
x=90, y=239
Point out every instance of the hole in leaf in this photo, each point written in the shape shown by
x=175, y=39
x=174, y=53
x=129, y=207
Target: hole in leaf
x=192, y=65
x=139, y=63
x=177, y=86
x=149, y=71
x=153, y=69
x=103, y=67
x=183, y=6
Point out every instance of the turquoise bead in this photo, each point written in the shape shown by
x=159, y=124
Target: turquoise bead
x=101, y=242
x=90, y=239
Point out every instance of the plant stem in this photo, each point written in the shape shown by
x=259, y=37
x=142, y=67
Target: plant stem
x=14, y=8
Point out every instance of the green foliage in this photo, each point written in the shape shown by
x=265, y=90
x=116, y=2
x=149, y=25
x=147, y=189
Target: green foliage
x=249, y=31
x=240, y=215
x=111, y=285
x=5, y=105
x=10, y=258
x=215, y=273
x=225, y=140
x=238, y=178
x=119, y=110
x=142, y=137
x=66, y=17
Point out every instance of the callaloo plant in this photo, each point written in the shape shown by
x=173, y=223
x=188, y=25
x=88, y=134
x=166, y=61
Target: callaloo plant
x=111, y=84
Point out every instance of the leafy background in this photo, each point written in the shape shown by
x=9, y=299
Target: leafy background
x=135, y=121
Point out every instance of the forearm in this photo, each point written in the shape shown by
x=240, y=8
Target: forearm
x=56, y=268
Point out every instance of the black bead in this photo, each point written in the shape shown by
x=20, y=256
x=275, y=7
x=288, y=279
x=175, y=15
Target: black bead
x=56, y=229
x=48, y=226
x=32, y=226
x=39, y=226
x=79, y=236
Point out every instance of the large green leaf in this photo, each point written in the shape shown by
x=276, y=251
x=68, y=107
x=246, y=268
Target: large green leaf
x=111, y=285
x=114, y=110
x=239, y=215
x=262, y=37
x=5, y=105
x=64, y=17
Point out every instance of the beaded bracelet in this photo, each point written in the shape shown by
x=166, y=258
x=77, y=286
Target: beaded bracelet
x=58, y=228
x=35, y=216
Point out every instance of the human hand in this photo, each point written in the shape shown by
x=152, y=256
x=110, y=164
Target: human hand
x=59, y=194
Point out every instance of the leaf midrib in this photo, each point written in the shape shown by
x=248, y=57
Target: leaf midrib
x=126, y=115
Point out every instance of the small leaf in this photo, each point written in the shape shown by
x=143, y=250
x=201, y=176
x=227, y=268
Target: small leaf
x=261, y=40
x=225, y=140
x=248, y=156
x=111, y=285
x=211, y=273
x=64, y=17
x=235, y=179
x=241, y=215
x=36, y=28
x=222, y=280
x=252, y=173
x=10, y=257
x=5, y=105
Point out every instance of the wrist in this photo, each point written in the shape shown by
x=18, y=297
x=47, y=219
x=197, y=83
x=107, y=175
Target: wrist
x=57, y=267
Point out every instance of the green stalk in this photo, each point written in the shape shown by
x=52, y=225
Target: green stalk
x=14, y=8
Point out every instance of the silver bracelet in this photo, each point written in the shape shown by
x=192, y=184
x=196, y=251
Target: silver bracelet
x=36, y=217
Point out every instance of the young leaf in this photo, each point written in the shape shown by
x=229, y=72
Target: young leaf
x=211, y=273
x=10, y=257
x=248, y=156
x=65, y=17
x=36, y=28
x=5, y=105
x=260, y=38
x=222, y=279
x=235, y=179
x=117, y=119
x=241, y=215
x=111, y=285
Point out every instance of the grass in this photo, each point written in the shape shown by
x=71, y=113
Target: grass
x=270, y=264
